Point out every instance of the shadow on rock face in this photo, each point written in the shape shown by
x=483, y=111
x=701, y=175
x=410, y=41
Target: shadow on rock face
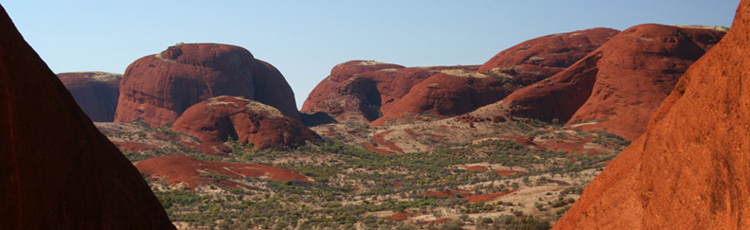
x=315, y=119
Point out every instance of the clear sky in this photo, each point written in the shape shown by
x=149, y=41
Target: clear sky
x=305, y=39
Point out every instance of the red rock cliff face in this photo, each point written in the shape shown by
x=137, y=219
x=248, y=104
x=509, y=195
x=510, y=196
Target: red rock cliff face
x=619, y=85
x=215, y=119
x=95, y=92
x=542, y=57
x=158, y=88
x=57, y=171
x=691, y=169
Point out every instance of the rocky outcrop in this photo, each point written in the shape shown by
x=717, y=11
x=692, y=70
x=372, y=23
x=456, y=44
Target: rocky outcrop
x=372, y=92
x=446, y=94
x=157, y=89
x=542, y=57
x=363, y=91
x=217, y=119
x=691, y=169
x=193, y=172
x=95, y=92
x=57, y=171
x=352, y=91
x=617, y=87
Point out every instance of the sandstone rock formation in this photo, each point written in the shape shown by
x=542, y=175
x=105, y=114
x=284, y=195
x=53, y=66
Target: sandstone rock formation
x=215, y=120
x=365, y=91
x=183, y=169
x=95, y=92
x=158, y=88
x=351, y=92
x=617, y=87
x=542, y=57
x=450, y=93
x=691, y=169
x=57, y=171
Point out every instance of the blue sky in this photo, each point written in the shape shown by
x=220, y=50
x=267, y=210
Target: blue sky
x=305, y=39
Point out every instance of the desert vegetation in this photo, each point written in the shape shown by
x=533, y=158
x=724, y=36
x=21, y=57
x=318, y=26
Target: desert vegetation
x=493, y=183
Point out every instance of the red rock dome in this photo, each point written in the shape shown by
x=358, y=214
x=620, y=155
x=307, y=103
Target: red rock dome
x=617, y=87
x=353, y=90
x=57, y=171
x=247, y=121
x=449, y=93
x=95, y=92
x=542, y=57
x=158, y=88
x=691, y=169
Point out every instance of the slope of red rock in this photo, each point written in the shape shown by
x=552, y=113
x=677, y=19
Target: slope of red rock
x=95, y=92
x=618, y=86
x=157, y=89
x=271, y=88
x=182, y=169
x=542, y=57
x=57, y=171
x=214, y=120
x=691, y=169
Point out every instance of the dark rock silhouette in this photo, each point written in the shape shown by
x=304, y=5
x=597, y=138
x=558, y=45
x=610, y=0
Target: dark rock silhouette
x=57, y=170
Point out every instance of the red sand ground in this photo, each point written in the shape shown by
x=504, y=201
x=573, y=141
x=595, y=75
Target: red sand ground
x=371, y=147
x=488, y=197
x=476, y=168
x=177, y=169
x=378, y=138
x=508, y=172
x=401, y=216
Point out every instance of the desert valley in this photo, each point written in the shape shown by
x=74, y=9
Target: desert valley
x=644, y=128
